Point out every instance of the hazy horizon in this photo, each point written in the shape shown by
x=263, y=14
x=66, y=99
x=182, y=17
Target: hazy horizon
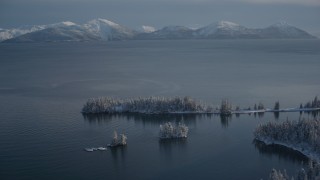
x=190, y=13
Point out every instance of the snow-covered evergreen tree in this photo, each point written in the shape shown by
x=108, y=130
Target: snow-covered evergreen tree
x=303, y=135
x=278, y=175
x=260, y=106
x=225, y=108
x=276, y=106
x=118, y=142
x=312, y=172
x=169, y=131
x=315, y=103
x=145, y=105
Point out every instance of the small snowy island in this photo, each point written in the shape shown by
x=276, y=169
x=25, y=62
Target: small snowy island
x=169, y=131
x=118, y=142
x=150, y=105
x=302, y=135
x=163, y=105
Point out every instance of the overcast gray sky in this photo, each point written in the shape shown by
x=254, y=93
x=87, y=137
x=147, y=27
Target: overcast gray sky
x=134, y=13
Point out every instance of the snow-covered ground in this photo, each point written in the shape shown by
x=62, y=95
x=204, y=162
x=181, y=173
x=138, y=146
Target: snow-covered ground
x=302, y=148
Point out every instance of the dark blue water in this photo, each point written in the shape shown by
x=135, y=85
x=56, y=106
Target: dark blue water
x=43, y=87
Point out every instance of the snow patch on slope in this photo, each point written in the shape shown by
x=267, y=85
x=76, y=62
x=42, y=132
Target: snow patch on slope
x=108, y=30
x=148, y=29
x=15, y=32
x=67, y=23
x=281, y=24
x=227, y=25
x=221, y=25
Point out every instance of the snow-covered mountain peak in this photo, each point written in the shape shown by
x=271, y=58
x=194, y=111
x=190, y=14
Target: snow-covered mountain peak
x=226, y=24
x=100, y=21
x=175, y=28
x=148, y=29
x=59, y=24
x=221, y=25
x=100, y=25
x=284, y=30
x=68, y=23
x=110, y=23
x=108, y=30
x=281, y=24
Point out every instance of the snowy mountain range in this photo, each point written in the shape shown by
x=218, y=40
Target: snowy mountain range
x=168, y=32
x=225, y=29
x=105, y=30
x=108, y=30
x=12, y=33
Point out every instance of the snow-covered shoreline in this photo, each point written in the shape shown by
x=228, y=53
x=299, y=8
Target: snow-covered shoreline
x=215, y=111
x=300, y=148
x=149, y=105
x=279, y=110
x=302, y=136
x=179, y=105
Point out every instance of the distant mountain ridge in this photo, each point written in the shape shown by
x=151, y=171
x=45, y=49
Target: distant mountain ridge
x=15, y=32
x=106, y=30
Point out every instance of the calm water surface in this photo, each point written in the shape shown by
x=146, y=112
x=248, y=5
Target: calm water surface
x=43, y=87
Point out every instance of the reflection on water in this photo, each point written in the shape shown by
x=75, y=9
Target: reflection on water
x=145, y=118
x=189, y=119
x=224, y=119
x=282, y=152
x=276, y=115
x=97, y=118
x=259, y=114
x=310, y=114
x=119, y=152
x=118, y=155
x=167, y=146
x=315, y=113
x=156, y=119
